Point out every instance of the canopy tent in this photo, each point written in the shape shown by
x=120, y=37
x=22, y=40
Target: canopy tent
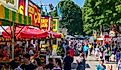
x=25, y=32
x=33, y=32
x=55, y=35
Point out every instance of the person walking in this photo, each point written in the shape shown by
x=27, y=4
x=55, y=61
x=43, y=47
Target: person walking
x=85, y=50
x=67, y=62
x=118, y=55
x=119, y=65
x=90, y=48
x=50, y=66
x=57, y=64
x=97, y=52
x=28, y=65
x=81, y=62
x=108, y=54
x=101, y=66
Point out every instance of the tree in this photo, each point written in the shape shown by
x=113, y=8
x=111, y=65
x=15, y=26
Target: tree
x=98, y=13
x=71, y=16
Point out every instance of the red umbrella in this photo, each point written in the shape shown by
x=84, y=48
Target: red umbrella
x=26, y=32
x=7, y=33
x=33, y=32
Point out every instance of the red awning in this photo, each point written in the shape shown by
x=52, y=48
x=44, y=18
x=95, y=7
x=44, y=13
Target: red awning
x=55, y=35
x=26, y=32
x=8, y=33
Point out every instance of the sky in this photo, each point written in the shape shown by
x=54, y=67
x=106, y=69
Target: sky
x=55, y=2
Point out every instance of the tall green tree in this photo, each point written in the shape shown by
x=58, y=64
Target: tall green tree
x=101, y=12
x=71, y=16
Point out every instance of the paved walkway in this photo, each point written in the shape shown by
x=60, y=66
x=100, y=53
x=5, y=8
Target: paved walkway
x=91, y=64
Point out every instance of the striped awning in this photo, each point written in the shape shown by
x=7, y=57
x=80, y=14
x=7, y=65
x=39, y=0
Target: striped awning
x=12, y=16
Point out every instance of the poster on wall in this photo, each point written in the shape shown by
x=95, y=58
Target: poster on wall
x=44, y=23
x=11, y=4
x=22, y=7
x=34, y=12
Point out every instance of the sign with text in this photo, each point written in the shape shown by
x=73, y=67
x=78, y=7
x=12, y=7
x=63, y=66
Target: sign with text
x=44, y=23
x=11, y=4
x=22, y=6
x=55, y=25
x=34, y=13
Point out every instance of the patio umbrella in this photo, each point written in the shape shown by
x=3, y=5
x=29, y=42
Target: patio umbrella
x=7, y=33
x=26, y=32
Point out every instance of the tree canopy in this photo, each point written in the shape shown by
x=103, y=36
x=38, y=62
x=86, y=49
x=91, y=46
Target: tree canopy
x=101, y=12
x=71, y=16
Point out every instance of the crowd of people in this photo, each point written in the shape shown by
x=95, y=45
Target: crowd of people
x=30, y=60
x=104, y=52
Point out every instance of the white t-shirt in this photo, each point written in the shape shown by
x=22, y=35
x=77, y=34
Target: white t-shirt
x=96, y=50
x=31, y=52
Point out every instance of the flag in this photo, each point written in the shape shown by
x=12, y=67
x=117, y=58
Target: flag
x=59, y=11
x=46, y=13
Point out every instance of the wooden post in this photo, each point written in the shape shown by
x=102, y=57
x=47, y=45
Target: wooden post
x=13, y=35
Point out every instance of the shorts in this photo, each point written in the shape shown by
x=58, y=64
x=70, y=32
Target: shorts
x=107, y=58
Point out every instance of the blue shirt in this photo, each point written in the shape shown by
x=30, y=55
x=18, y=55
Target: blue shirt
x=85, y=48
x=99, y=67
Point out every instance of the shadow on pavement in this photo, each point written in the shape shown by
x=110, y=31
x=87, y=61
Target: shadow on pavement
x=74, y=66
x=87, y=66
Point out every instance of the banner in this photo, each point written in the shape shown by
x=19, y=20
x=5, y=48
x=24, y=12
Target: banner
x=44, y=23
x=22, y=6
x=55, y=25
x=11, y=4
x=34, y=13
x=7, y=16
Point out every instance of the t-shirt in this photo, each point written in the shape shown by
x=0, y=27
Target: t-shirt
x=71, y=52
x=85, y=48
x=90, y=46
x=101, y=48
x=28, y=67
x=67, y=61
x=118, y=55
x=96, y=50
x=56, y=68
x=31, y=52
x=100, y=67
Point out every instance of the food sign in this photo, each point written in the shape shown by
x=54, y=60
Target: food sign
x=22, y=6
x=34, y=13
x=44, y=23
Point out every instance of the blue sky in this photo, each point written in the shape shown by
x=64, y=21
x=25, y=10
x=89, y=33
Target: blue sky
x=54, y=2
